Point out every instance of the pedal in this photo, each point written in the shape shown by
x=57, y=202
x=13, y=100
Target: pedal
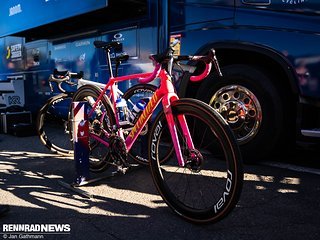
x=311, y=132
x=122, y=170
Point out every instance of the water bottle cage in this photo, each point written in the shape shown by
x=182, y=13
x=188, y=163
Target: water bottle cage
x=137, y=110
x=136, y=117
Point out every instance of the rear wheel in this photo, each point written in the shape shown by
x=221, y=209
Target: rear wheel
x=208, y=186
x=53, y=126
x=100, y=123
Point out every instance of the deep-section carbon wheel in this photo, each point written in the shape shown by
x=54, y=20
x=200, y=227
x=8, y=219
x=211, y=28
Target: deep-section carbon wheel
x=53, y=126
x=209, y=184
x=100, y=122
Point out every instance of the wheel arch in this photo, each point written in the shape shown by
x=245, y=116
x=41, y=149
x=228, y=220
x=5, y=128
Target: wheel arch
x=280, y=77
x=262, y=57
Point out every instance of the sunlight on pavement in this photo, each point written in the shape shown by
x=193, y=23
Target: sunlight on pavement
x=80, y=205
x=61, y=201
x=258, y=178
x=287, y=191
x=290, y=181
x=24, y=155
x=9, y=198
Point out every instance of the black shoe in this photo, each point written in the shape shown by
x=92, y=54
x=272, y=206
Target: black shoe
x=4, y=209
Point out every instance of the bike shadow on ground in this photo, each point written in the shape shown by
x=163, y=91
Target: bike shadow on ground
x=129, y=207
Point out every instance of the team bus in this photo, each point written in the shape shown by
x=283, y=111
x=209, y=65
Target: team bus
x=268, y=51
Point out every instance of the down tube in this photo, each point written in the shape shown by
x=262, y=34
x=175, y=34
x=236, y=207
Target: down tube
x=143, y=119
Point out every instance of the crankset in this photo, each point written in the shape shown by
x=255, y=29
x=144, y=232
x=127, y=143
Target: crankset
x=119, y=153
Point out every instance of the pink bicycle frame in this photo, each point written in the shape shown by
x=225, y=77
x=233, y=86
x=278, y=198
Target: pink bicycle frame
x=164, y=93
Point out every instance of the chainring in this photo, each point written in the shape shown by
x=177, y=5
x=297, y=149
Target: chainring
x=118, y=150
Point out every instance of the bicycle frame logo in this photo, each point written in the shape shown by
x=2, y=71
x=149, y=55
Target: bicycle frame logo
x=146, y=114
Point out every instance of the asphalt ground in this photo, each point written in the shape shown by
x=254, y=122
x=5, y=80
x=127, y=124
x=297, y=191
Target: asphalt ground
x=276, y=203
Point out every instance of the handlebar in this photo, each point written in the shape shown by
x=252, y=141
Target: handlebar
x=167, y=57
x=153, y=75
x=60, y=77
x=164, y=60
x=203, y=75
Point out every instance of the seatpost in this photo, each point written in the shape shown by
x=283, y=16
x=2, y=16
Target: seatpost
x=170, y=63
x=109, y=62
x=117, y=67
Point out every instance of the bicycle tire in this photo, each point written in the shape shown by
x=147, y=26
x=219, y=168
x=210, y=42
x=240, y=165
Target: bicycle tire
x=99, y=153
x=139, y=152
x=53, y=126
x=200, y=193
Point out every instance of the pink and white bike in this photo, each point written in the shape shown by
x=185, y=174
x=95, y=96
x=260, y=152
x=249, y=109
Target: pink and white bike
x=194, y=158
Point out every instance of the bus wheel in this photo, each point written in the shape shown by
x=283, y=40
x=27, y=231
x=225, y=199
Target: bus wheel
x=250, y=103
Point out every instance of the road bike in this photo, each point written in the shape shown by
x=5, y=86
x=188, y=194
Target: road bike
x=194, y=158
x=53, y=122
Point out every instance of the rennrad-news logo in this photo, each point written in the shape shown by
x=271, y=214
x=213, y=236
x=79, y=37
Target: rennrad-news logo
x=36, y=228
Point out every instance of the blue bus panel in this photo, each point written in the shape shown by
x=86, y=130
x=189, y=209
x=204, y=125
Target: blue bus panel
x=12, y=56
x=13, y=13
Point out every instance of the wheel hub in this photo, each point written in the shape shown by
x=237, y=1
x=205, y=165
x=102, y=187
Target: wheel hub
x=240, y=108
x=194, y=161
x=235, y=113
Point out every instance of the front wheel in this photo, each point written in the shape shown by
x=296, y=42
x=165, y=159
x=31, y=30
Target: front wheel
x=208, y=187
